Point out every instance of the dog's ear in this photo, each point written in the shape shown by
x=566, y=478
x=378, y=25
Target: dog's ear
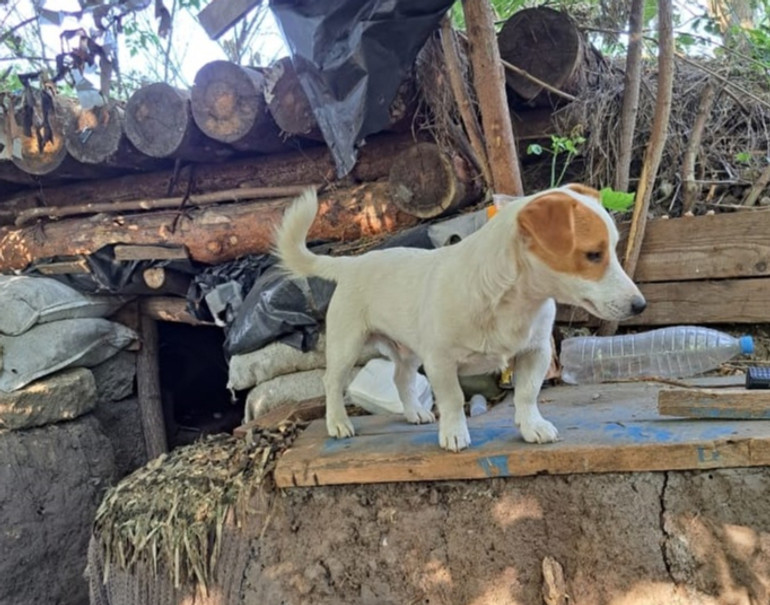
x=584, y=190
x=549, y=220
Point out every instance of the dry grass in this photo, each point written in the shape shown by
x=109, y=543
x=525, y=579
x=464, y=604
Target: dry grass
x=168, y=516
x=737, y=125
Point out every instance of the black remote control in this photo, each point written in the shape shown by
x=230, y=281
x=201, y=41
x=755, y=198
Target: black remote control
x=758, y=378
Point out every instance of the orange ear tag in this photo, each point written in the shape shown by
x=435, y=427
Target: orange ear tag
x=491, y=211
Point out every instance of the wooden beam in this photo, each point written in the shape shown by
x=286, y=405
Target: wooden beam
x=148, y=389
x=221, y=15
x=693, y=302
x=169, y=308
x=65, y=267
x=718, y=404
x=123, y=253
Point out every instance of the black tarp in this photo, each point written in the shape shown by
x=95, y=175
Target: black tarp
x=351, y=56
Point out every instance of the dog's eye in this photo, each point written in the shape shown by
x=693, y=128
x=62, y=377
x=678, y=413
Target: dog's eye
x=594, y=257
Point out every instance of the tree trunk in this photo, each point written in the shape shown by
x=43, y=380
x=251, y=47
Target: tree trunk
x=213, y=235
x=159, y=123
x=228, y=105
x=288, y=103
x=548, y=45
x=97, y=136
x=654, y=152
x=631, y=84
x=295, y=168
x=489, y=81
x=691, y=188
x=426, y=183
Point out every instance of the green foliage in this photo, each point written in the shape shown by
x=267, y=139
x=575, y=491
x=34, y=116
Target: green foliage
x=616, y=200
x=566, y=147
x=743, y=157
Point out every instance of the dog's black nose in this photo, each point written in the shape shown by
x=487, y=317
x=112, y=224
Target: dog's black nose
x=638, y=304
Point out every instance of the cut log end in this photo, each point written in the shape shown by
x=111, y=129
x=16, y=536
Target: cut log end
x=45, y=150
x=546, y=44
x=424, y=183
x=228, y=105
x=93, y=136
x=157, y=119
x=288, y=103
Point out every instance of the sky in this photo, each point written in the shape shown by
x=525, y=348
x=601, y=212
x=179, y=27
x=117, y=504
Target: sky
x=191, y=42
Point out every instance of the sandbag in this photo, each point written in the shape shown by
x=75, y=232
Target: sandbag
x=289, y=388
x=277, y=359
x=26, y=301
x=49, y=347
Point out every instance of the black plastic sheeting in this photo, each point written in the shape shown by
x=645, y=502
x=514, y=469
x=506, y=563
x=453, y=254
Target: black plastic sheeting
x=351, y=56
x=110, y=276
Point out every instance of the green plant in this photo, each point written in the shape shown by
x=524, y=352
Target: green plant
x=616, y=200
x=559, y=146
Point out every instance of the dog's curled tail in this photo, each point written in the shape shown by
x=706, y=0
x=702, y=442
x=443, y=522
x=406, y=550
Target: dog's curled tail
x=290, y=238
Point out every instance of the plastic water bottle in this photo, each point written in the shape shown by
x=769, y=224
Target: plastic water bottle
x=674, y=352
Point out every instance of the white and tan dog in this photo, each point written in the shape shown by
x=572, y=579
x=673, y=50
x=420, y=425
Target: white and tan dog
x=467, y=308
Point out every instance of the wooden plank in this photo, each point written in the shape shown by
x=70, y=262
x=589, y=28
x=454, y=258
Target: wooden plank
x=620, y=430
x=738, y=404
x=66, y=267
x=148, y=389
x=220, y=15
x=299, y=410
x=123, y=252
x=693, y=302
x=169, y=308
x=705, y=247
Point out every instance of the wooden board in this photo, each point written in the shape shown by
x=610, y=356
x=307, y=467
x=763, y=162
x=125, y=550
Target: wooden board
x=694, y=302
x=220, y=15
x=718, y=404
x=705, y=247
x=606, y=428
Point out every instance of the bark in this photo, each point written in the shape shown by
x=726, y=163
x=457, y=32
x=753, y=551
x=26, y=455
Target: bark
x=212, y=235
x=294, y=168
x=489, y=82
x=654, y=152
x=631, y=84
x=426, y=183
x=148, y=389
x=228, y=105
x=159, y=123
x=690, y=193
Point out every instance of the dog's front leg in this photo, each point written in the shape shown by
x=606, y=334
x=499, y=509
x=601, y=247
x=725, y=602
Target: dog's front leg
x=531, y=366
x=453, y=432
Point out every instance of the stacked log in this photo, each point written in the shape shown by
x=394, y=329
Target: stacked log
x=546, y=44
x=160, y=124
x=228, y=105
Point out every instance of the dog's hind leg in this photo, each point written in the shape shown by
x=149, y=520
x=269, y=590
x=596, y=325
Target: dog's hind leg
x=531, y=367
x=453, y=432
x=344, y=341
x=405, y=377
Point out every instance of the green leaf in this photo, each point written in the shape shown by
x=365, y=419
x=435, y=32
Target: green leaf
x=616, y=200
x=534, y=149
x=744, y=157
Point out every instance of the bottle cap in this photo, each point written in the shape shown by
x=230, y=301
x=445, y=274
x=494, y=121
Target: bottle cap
x=747, y=345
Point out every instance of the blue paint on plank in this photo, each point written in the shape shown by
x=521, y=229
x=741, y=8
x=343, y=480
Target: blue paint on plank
x=639, y=434
x=495, y=466
x=707, y=454
x=718, y=432
x=726, y=413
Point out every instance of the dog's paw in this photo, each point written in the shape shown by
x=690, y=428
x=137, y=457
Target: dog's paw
x=536, y=429
x=339, y=428
x=419, y=416
x=455, y=437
